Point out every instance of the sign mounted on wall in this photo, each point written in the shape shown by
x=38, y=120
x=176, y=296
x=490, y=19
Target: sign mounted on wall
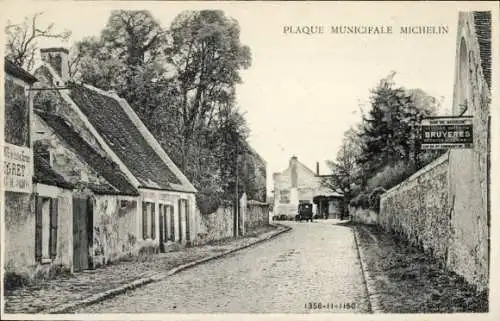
x=18, y=168
x=446, y=132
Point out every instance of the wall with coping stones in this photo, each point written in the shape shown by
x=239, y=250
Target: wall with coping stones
x=418, y=210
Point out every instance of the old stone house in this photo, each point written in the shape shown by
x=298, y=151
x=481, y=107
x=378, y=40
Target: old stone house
x=297, y=184
x=100, y=190
x=37, y=200
x=164, y=209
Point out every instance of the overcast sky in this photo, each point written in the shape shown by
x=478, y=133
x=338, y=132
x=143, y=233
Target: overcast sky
x=303, y=91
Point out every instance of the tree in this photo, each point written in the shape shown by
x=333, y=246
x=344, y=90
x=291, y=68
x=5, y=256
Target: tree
x=345, y=170
x=206, y=55
x=22, y=40
x=181, y=82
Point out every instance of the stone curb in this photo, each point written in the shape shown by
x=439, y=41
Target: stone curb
x=68, y=307
x=373, y=297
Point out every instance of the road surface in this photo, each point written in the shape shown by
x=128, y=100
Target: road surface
x=313, y=268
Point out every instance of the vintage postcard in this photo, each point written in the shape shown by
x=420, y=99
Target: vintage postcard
x=269, y=160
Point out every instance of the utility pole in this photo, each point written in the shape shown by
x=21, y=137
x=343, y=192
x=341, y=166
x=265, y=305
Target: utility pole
x=236, y=192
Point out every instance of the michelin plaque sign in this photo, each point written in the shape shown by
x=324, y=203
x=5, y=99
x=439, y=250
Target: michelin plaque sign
x=446, y=132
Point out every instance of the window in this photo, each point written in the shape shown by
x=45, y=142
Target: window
x=46, y=216
x=148, y=220
x=285, y=197
x=163, y=218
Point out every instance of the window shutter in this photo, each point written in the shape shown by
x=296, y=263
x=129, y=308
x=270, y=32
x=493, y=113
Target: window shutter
x=144, y=220
x=188, y=227
x=172, y=223
x=38, y=227
x=54, y=203
x=165, y=222
x=153, y=221
x=179, y=211
x=90, y=221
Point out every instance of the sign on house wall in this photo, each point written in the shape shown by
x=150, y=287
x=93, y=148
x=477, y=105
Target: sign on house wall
x=18, y=168
x=446, y=132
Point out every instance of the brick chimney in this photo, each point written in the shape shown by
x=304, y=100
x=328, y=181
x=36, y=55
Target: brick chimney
x=57, y=58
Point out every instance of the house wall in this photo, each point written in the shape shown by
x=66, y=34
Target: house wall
x=186, y=220
x=20, y=232
x=418, y=209
x=19, y=217
x=300, y=183
x=114, y=230
x=469, y=168
x=19, y=255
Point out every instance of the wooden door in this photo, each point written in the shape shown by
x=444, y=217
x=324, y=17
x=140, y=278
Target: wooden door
x=82, y=233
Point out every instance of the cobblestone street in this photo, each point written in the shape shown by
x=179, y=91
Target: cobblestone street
x=314, y=263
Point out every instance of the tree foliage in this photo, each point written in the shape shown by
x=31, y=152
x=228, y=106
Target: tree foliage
x=384, y=149
x=181, y=82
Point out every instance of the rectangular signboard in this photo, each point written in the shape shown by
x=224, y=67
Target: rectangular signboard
x=446, y=132
x=18, y=168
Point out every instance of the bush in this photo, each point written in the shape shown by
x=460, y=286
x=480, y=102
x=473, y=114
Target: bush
x=361, y=200
x=207, y=202
x=374, y=198
x=390, y=176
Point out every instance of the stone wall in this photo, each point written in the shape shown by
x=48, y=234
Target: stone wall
x=256, y=215
x=418, y=209
x=215, y=226
x=361, y=215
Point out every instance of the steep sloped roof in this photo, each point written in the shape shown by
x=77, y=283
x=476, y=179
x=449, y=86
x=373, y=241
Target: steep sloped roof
x=18, y=72
x=123, y=136
x=105, y=167
x=482, y=24
x=44, y=174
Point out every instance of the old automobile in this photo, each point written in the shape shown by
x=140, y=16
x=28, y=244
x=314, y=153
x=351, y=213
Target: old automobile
x=305, y=212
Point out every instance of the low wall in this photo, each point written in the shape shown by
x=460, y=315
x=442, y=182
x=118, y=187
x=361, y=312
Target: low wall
x=214, y=226
x=418, y=210
x=257, y=215
x=361, y=215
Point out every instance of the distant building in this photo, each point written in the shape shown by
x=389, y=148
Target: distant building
x=298, y=184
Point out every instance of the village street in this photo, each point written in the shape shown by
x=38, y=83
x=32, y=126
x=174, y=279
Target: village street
x=313, y=263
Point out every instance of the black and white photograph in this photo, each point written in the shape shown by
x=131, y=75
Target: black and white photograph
x=257, y=159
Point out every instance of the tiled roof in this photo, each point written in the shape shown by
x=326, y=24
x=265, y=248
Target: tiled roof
x=44, y=174
x=18, y=72
x=103, y=166
x=482, y=23
x=123, y=136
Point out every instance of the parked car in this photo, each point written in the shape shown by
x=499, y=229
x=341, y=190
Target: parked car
x=305, y=212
